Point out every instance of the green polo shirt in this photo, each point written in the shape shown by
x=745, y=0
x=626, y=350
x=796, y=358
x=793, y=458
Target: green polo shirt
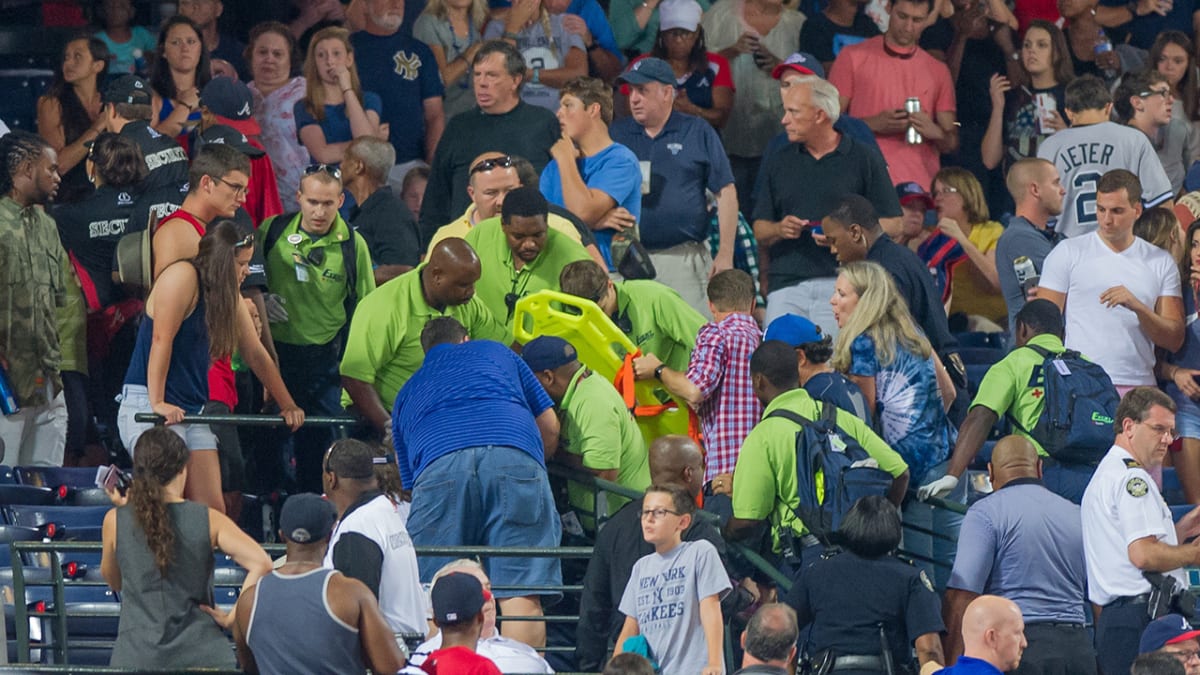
x=1014, y=385
x=384, y=345
x=500, y=277
x=597, y=426
x=659, y=321
x=764, y=481
x=315, y=294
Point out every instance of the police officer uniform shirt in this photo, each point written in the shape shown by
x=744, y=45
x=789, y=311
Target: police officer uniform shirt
x=1121, y=505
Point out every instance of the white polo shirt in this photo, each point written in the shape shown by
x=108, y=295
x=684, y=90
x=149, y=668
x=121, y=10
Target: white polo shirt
x=1121, y=505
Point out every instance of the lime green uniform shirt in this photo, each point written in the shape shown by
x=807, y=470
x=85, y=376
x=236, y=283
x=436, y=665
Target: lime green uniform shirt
x=384, y=345
x=499, y=277
x=658, y=321
x=764, y=481
x=599, y=428
x=315, y=295
x=1015, y=385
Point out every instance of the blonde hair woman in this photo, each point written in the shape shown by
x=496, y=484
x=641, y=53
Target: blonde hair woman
x=452, y=29
x=880, y=348
x=335, y=110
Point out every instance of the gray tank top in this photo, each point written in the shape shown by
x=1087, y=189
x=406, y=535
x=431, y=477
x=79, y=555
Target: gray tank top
x=328, y=645
x=162, y=625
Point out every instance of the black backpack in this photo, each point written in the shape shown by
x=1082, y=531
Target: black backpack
x=821, y=447
x=275, y=227
x=1076, y=424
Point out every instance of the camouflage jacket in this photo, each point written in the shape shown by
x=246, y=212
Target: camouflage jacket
x=33, y=269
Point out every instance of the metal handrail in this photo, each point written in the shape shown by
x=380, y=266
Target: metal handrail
x=249, y=420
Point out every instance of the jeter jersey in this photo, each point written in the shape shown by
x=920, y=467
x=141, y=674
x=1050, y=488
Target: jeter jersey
x=1084, y=154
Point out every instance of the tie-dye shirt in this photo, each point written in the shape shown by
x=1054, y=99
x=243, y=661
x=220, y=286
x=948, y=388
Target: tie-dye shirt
x=909, y=407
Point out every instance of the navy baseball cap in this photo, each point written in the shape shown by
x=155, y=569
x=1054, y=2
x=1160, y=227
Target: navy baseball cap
x=910, y=192
x=801, y=62
x=649, y=69
x=794, y=330
x=232, y=103
x=1166, y=630
x=547, y=353
x=306, y=518
x=127, y=89
x=456, y=597
x=227, y=135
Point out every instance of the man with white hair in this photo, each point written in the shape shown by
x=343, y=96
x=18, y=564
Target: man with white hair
x=685, y=159
x=805, y=181
x=379, y=215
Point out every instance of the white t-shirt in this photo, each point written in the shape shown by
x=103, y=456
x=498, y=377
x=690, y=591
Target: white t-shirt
x=664, y=593
x=510, y=656
x=1083, y=268
x=1121, y=505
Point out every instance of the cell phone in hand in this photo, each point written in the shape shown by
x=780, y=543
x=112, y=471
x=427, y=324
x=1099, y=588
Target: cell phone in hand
x=111, y=477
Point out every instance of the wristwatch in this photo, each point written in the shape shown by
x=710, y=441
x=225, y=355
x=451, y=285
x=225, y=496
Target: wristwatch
x=658, y=372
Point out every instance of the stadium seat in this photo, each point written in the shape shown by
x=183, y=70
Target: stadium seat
x=1180, y=510
x=18, y=105
x=1172, y=489
x=52, y=477
x=7, y=476
x=80, y=518
x=979, y=339
x=27, y=495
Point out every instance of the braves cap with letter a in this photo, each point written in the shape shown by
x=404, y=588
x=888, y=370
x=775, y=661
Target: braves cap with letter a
x=649, y=69
x=1166, y=630
x=456, y=597
x=232, y=103
x=127, y=89
x=547, y=353
x=220, y=133
x=683, y=14
x=911, y=192
x=306, y=518
x=794, y=330
x=801, y=62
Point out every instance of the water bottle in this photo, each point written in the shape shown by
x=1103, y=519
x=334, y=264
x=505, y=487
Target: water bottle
x=912, y=105
x=139, y=62
x=1103, y=46
x=8, y=399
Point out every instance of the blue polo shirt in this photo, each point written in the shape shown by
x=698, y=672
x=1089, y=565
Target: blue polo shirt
x=686, y=158
x=615, y=172
x=468, y=395
x=1024, y=543
x=402, y=70
x=969, y=666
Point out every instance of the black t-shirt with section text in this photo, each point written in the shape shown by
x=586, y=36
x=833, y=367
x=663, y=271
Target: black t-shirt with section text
x=166, y=160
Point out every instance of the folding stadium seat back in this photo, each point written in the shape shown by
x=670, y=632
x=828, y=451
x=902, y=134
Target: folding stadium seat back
x=91, y=518
x=7, y=475
x=18, y=105
x=52, y=477
x=27, y=495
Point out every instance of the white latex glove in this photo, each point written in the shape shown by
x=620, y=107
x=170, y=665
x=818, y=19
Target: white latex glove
x=276, y=312
x=938, y=488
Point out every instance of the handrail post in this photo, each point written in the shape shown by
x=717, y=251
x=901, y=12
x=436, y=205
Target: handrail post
x=20, y=608
x=60, y=608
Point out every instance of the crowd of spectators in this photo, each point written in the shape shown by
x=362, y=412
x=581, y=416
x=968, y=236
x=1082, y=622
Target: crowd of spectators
x=794, y=212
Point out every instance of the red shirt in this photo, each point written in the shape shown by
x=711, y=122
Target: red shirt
x=458, y=661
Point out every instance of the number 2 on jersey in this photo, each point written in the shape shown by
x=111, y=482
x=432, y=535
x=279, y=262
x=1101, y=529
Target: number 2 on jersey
x=1085, y=196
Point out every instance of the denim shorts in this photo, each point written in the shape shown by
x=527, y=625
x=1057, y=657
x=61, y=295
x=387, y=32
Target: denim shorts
x=488, y=496
x=1187, y=421
x=135, y=399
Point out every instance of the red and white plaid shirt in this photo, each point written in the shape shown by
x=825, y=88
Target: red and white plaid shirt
x=720, y=368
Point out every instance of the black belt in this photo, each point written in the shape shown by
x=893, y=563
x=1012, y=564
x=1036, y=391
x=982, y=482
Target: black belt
x=1057, y=624
x=857, y=662
x=1129, y=600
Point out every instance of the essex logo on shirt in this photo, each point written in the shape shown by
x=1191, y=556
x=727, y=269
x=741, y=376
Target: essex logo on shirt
x=407, y=65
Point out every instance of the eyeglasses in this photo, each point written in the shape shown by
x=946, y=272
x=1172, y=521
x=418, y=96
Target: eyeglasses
x=655, y=514
x=489, y=164
x=327, y=168
x=245, y=241
x=1161, y=431
x=238, y=190
x=1183, y=657
x=945, y=191
x=1165, y=93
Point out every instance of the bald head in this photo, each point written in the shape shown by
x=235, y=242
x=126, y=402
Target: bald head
x=449, y=277
x=994, y=631
x=451, y=253
x=677, y=460
x=1013, y=457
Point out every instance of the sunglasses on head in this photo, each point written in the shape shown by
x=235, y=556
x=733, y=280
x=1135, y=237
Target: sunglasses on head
x=489, y=164
x=327, y=168
x=245, y=241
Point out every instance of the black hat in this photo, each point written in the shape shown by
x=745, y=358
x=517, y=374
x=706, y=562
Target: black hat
x=306, y=518
x=220, y=133
x=127, y=89
x=456, y=597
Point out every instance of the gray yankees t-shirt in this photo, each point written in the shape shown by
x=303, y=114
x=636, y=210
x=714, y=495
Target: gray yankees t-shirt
x=664, y=594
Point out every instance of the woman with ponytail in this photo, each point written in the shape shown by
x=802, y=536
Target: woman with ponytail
x=195, y=315
x=158, y=553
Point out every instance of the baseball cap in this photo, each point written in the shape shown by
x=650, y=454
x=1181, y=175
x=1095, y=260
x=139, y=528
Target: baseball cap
x=127, y=89
x=456, y=597
x=547, y=353
x=306, y=518
x=911, y=192
x=794, y=330
x=649, y=69
x=683, y=14
x=1166, y=630
x=801, y=62
x=227, y=135
x=232, y=103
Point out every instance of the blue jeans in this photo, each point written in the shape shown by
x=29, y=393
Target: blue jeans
x=488, y=496
x=942, y=521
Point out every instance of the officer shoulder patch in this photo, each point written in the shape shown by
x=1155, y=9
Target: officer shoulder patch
x=1136, y=487
x=925, y=580
x=1131, y=463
